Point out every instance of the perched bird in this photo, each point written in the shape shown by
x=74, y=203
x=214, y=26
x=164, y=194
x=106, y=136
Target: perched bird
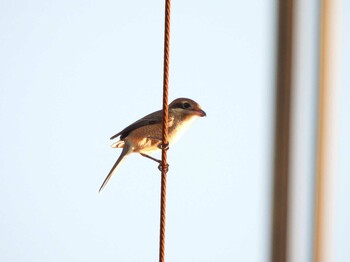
x=145, y=135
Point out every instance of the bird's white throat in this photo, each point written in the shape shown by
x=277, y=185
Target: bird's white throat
x=177, y=131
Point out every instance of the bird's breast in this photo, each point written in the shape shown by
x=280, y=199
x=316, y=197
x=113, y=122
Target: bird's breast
x=178, y=128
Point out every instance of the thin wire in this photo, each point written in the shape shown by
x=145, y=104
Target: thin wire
x=165, y=143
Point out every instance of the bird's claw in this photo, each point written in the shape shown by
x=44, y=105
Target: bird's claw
x=165, y=146
x=160, y=146
x=160, y=167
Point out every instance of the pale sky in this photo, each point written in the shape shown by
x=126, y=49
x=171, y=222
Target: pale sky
x=74, y=73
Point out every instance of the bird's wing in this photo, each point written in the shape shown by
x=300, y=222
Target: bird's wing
x=151, y=119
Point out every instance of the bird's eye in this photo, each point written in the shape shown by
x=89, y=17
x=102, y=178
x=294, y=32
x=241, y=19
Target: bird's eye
x=186, y=105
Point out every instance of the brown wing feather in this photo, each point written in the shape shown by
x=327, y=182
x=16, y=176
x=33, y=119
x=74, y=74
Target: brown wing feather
x=150, y=119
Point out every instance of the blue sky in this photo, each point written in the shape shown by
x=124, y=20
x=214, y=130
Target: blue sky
x=76, y=72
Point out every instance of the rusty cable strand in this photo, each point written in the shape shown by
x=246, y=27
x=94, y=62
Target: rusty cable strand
x=165, y=141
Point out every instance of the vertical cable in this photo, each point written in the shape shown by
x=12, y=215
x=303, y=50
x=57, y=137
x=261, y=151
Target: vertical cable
x=165, y=143
x=282, y=131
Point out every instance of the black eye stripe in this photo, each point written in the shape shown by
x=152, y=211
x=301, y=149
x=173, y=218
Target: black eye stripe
x=181, y=105
x=177, y=105
x=186, y=105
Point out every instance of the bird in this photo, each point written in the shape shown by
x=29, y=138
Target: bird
x=144, y=136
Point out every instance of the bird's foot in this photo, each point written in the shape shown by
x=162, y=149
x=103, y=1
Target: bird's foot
x=160, y=167
x=160, y=146
x=166, y=146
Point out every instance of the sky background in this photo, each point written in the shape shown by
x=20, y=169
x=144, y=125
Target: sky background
x=74, y=73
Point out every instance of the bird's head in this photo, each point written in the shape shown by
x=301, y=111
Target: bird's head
x=187, y=107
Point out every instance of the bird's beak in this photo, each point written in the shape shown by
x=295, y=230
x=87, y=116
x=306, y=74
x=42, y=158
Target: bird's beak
x=199, y=112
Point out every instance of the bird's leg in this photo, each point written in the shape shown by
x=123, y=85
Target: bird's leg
x=160, y=146
x=160, y=167
x=154, y=159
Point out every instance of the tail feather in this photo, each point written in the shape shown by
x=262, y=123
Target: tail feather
x=118, y=144
x=120, y=159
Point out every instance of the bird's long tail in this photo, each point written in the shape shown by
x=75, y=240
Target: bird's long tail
x=122, y=156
